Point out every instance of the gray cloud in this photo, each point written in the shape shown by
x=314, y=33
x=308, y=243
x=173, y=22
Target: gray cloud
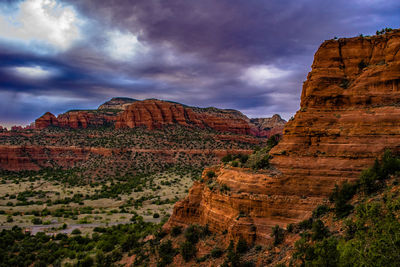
x=195, y=52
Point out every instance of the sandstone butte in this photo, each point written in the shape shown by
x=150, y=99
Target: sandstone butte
x=153, y=114
x=350, y=113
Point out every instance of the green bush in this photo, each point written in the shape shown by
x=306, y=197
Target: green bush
x=320, y=211
x=36, y=221
x=187, y=250
x=278, y=234
x=166, y=253
x=192, y=234
x=263, y=163
x=273, y=140
x=306, y=224
x=210, y=174
x=319, y=231
x=76, y=232
x=227, y=158
x=176, y=230
x=340, y=196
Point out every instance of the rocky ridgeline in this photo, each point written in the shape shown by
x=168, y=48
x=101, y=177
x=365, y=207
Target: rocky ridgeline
x=154, y=114
x=350, y=113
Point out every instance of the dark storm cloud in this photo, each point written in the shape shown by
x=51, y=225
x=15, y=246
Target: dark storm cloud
x=196, y=52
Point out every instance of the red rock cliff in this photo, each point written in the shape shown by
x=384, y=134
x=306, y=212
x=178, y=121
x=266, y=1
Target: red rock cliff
x=46, y=120
x=156, y=113
x=349, y=115
x=152, y=114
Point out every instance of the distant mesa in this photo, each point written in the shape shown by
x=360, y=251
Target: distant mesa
x=122, y=112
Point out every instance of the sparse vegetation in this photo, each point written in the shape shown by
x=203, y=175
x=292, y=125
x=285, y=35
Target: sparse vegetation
x=371, y=235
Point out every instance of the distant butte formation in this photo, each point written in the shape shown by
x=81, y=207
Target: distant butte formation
x=153, y=114
x=133, y=135
x=350, y=113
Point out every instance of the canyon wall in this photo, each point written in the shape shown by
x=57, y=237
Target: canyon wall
x=350, y=113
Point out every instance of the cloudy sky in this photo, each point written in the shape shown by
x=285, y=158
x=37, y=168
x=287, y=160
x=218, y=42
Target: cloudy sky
x=250, y=55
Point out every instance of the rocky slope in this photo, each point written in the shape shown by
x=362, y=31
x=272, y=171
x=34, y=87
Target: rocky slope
x=154, y=114
x=349, y=115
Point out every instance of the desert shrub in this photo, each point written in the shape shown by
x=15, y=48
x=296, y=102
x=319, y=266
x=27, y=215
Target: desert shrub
x=273, y=140
x=187, y=250
x=372, y=179
x=306, y=224
x=36, y=221
x=320, y=211
x=278, y=235
x=340, y=196
x=166, y=253
x=263, y=163
x=319, y=231
x=227, y=158
x=192, y=234
x=176, y=230
x=10, y=219
x=210, y=174
x=156, y=215
x=243, y=158
x=76, y=232
x=290, y=227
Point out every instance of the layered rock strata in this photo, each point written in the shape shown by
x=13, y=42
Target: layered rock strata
x=155, y=114
x=350, y=113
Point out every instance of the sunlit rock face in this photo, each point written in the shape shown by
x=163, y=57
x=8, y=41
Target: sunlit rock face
x=350, y=113
x=155, y=114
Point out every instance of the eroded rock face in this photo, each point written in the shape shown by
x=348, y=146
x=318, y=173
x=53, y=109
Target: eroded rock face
x=83, y=119
x=46, y=120
x=156, y=113
x=349, y=115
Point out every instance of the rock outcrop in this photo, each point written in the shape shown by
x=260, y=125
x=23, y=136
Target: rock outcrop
x=119, y=103
x=84, y=118
x=154, y=113
x=46, y=120
x=349, y=115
